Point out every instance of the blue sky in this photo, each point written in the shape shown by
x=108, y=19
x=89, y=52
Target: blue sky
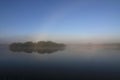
x=60, y=20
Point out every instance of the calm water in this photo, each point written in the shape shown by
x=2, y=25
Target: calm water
x=73, y=61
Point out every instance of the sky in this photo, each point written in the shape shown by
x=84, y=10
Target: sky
x=60, y=20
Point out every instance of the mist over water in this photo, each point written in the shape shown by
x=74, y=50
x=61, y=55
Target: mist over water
x=73, y=60
x=69, y=57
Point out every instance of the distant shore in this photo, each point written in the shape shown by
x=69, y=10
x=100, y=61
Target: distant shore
x=41, y=46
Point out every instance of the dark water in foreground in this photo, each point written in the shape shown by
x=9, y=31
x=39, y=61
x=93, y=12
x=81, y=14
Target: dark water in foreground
x=74, y=62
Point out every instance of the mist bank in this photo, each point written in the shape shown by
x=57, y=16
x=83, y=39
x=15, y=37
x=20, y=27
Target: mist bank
x=96, y=45
x=61, y=38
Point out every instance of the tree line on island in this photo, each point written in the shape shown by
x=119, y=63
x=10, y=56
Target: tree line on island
x=40, y=47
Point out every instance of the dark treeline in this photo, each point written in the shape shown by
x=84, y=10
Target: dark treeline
x=40, y=47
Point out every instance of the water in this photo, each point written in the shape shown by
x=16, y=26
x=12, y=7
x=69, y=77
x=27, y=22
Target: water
x=72, y=62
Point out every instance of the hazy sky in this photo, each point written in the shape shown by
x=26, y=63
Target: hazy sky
x=60, y=20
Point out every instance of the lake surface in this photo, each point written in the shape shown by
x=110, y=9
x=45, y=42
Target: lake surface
x=71, y=63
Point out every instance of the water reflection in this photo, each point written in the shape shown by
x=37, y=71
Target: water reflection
x=41, y=51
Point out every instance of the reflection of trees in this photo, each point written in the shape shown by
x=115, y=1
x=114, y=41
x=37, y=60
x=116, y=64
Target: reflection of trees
x=49, y=50
x=41, y=51
x=40, y=47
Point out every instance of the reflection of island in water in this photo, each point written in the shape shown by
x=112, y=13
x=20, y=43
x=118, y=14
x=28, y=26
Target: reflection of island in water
x=39, y=47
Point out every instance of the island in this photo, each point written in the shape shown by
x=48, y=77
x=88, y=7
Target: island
x=40, y=47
